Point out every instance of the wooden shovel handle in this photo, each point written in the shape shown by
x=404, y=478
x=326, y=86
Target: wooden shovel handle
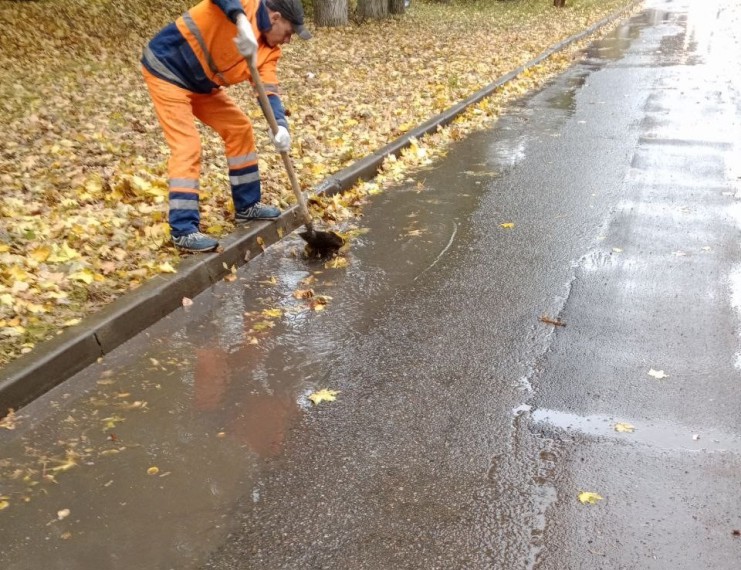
x=267, y=110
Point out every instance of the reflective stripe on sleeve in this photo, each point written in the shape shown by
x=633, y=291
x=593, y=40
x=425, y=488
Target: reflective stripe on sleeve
x=201, y=42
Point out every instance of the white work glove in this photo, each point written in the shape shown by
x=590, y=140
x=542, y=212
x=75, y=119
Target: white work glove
x=281, y=139
x=245, y=39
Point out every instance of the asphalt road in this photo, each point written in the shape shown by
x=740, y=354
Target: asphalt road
x=465, y=427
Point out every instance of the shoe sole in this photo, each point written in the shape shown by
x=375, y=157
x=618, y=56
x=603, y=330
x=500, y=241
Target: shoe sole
x=242, y=220
x=188, y=250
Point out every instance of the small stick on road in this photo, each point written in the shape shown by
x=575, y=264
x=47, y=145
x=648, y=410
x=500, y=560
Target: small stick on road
x=554, y=322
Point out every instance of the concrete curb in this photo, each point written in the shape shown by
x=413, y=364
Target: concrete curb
x=56, y=360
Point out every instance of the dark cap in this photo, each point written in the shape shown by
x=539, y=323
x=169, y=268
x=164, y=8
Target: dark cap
x=293, y=11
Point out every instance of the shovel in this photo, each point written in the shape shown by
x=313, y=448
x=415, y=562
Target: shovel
x=322, y=243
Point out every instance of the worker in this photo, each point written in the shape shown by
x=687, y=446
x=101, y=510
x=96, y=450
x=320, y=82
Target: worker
x=186, y=67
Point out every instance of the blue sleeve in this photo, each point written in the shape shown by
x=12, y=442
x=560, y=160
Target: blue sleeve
x=230, y=7
x=278, y=111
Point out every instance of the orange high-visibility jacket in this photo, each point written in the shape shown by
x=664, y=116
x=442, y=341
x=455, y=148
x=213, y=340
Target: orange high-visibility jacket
x=197, y=51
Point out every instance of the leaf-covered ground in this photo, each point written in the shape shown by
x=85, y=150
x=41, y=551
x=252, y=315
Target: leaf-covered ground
x=83, y=163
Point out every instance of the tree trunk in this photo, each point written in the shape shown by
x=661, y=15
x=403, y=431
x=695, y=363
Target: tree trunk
x=329, y=13
x=397, y=6
x=373, y=9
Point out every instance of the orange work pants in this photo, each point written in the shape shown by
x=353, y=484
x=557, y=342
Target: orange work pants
x=177, y=109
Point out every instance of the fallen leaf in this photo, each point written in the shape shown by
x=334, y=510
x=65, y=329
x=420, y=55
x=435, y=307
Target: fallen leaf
x=84, y=275
x=323, y=395
x=166, y=268
x=319, y=302
x=303, y=293
x=41, y=253
x=336, y=263
x=657, y=374
x=8, y=422
x=232, y=275
x=111, y=422
x=310, y=280
x=617, y=250
x=273, y=313
x=65, y=464
x=262, y=326
x=624, y=427
x=4, y=504
x=187, y=302
x=507, y=225
x=587, y=497
x=63, y=514
x=153, y=470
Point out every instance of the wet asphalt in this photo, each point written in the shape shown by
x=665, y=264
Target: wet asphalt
x=465, y=427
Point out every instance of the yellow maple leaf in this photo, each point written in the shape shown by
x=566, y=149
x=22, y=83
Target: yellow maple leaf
x=273, y=313
x=166, y=268
x=84, y=275
x=587, y=497
x=65, y=464
x=62, y=253
x=41, y=253
x=624, y=427
x=323, y=395
x=262, y=326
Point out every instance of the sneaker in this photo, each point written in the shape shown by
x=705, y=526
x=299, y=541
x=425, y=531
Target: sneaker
x=195, y=242
x=258, y=211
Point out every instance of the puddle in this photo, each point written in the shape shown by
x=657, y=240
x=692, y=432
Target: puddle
x=663, y=435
